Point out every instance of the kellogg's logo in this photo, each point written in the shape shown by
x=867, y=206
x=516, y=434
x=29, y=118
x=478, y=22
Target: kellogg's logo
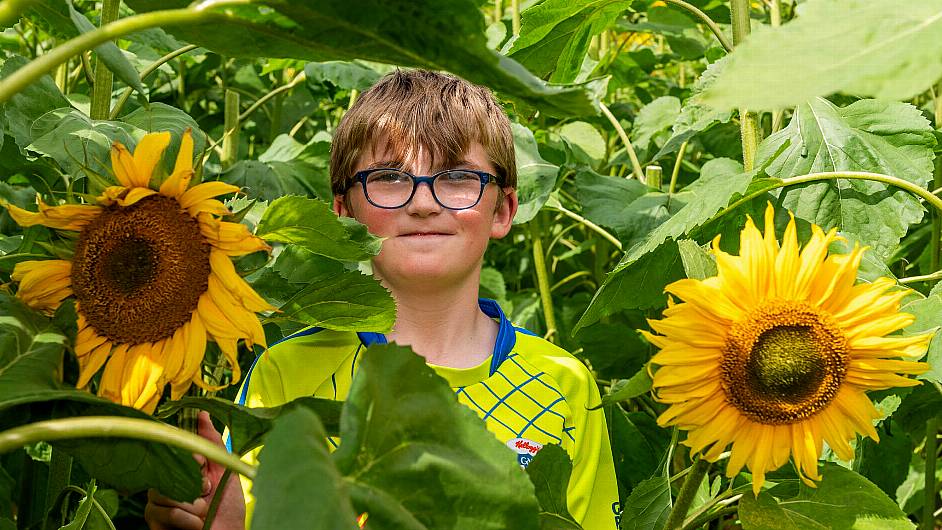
x=525, y=449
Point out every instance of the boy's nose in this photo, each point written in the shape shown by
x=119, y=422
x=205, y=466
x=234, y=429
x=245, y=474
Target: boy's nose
x=423, y=202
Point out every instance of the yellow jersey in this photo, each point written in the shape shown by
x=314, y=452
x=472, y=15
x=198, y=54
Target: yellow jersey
x=529, y=393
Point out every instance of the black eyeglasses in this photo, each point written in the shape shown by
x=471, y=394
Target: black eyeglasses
x=455, y=189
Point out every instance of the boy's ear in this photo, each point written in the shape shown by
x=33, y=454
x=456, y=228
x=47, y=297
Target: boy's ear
x=504, y=213
x=340, y=206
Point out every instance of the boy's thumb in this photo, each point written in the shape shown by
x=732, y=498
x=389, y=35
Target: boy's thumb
x=206, y=429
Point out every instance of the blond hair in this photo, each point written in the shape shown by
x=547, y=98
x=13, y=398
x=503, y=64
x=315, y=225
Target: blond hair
x=413, y=109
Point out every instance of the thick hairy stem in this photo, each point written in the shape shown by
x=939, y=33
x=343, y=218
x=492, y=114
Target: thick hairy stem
x=28, y=74
x=117, y=427
x=230, y=141
x=748, y=121
x=542, y=278
x=104, y=79
x=635, y=163
x=515, y=16
x=687, y=493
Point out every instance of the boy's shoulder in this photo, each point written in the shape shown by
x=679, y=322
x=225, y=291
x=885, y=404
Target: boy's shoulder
x=295, y=352
x=546, y=357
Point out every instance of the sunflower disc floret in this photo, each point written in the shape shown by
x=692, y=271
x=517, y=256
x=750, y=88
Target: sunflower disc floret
x=151, y=275
x=774, y=355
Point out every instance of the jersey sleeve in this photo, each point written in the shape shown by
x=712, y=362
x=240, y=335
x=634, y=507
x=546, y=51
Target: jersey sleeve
x=593, y=490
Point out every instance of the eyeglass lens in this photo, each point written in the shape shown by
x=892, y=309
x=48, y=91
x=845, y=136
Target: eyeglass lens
x=453, y=189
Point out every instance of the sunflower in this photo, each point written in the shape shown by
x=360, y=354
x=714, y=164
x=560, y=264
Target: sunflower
x=151, y=275
x=774, y=354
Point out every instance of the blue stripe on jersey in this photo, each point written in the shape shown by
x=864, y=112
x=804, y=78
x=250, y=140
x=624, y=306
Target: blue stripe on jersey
x=248, y=376
x=515, y=411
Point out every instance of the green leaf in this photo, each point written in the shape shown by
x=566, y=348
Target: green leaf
x=109, y=53
x=626, y=389
x=640, y=286
x=885, y=463
x=585, y=140
x=79, y=144
x=536, y=177
x=162, y=117
x=294, y=469
x=401, y=32
x=696, y=117
x=555, y=34
x=877, y=136
x=287, y=167
x=605, y=199
x=698, y=263
x=842, y=500
x=638, y=446
x=927, y=311
x=653, y=119
x=247, y=426
x=84, y=509
x=648, y=506
x=414, y=457
x=342, y=300
x=650, y=265
x=27, y=105
x=549, y=471
x=312, y=225
x=341, y=74
x=888, y=50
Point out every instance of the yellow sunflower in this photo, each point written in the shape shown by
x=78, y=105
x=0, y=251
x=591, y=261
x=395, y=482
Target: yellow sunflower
x=775, y=353
x=151, y=275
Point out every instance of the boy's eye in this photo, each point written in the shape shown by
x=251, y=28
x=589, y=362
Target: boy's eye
x=460, y=176
x=387, y=177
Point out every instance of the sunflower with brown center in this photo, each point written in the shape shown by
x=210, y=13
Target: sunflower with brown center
x=151, y=275
x=774, y=354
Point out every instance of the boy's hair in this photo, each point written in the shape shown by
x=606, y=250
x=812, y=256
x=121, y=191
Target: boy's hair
x=413, y=109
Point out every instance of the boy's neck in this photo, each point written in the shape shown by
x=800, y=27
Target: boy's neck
x=444, y=325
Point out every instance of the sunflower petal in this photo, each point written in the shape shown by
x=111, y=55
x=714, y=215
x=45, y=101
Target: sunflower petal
x=206, y=190
x=43, y=284
x=65, y=217
x=147, y=155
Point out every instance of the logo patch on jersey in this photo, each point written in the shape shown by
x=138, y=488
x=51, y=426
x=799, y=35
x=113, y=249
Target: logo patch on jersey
x=525, y=449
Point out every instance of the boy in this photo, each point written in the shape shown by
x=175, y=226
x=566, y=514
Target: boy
x=426, y=161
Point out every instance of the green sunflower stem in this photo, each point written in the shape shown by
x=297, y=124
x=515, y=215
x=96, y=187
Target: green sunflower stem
x=542, y=278
x=635, y=163
x=931, y=493
x=117, y=427
x=104, y=80
x=42, y=65
x=748, y=121
x=687, y=494
x=230, y=142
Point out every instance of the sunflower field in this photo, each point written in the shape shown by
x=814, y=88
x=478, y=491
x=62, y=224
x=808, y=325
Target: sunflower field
x=730, y=210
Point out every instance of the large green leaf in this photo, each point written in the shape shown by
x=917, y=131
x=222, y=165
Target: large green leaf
x=536, y=177
x=549, y=471
x=247, y=426
x=868, y=135
x=415, y=458
x=927, y=311
x=27, y=105
x=287, y=167
x=342, y=300
x=297, y=484
x=842, y=500
x=555, y=35
x=312, y=225
x=881, y=48
x=648, y=506
x=605, y=199
x=654, y=119
x=402, y=32
x=885, y=463
x=639, y=278
x=638, y=446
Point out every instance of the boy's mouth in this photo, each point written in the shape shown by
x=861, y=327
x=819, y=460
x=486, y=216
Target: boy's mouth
x=424, y=234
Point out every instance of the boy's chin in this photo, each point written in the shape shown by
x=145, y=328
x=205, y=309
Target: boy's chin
x=424, y=275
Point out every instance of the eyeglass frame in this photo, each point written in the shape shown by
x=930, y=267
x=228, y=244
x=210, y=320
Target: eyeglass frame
x=486, y=178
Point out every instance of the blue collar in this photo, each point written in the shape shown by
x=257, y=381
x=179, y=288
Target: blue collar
x=506, y=334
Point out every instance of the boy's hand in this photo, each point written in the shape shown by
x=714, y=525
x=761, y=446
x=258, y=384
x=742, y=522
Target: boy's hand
x=163, y=513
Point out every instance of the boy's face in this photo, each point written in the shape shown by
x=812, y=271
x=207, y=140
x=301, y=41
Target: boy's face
x=426, y=242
